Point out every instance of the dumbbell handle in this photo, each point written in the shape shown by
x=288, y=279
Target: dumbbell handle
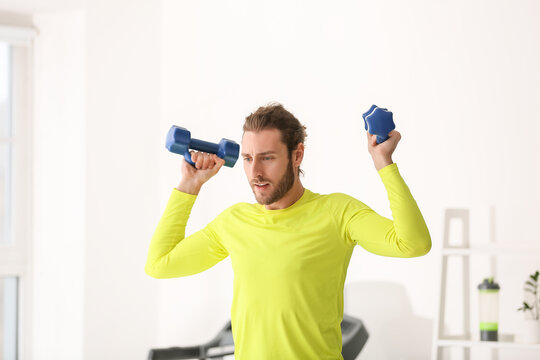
x=200, y=145
x=204, y=146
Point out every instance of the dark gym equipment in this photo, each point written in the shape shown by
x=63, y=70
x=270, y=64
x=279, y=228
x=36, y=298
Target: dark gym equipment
x=179, y=141
x=353, y=334
x=379, y=121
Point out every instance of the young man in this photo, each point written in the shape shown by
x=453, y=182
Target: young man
x=289, y=251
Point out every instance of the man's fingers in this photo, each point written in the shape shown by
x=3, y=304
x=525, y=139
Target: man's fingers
x=395, y=136
x=372, y=139
x=199, y=161
x=394, y=133
x=218, y=162
x=207, y=161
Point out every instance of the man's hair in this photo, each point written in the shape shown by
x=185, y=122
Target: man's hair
x=274, y=116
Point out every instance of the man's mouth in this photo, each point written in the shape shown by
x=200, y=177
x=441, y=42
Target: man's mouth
x=261, y=186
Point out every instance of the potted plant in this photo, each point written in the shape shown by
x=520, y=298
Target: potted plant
x=531, y=309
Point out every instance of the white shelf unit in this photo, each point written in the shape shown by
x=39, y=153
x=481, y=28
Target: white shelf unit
x=447, y=342
x=464, y=341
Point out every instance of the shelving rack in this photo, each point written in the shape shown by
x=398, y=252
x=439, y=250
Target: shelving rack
x=464, y=250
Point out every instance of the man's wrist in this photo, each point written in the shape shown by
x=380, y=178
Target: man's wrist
x=188, y=187
x=382, y=162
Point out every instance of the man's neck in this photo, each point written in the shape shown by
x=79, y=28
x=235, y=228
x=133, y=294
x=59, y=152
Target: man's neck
x=292, y=196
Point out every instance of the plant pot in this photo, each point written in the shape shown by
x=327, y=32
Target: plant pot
x=529, y=332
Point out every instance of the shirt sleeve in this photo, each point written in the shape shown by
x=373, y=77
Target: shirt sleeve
x=171, y=254
x=406, y=236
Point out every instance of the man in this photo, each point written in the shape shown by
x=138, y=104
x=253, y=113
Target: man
x=289, y=251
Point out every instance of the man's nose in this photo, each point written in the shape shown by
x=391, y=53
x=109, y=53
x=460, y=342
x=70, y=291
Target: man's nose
x=256, y=169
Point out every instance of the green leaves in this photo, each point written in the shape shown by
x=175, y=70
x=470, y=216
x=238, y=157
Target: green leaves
x=531, y=285
x=525, y=307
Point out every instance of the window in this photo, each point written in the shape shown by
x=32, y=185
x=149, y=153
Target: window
x=8, y=318
x=5, y=144
x=15, y=197
x=8, y=284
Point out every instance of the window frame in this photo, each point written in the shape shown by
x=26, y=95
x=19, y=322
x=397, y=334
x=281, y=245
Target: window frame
x=16, y=256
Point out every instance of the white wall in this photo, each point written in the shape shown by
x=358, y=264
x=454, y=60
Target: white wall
x=59, y=182
x=96, y=99
x=123, y=143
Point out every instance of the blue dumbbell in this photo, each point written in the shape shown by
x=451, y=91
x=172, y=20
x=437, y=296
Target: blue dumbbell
x=379, y=121
x=179, y=141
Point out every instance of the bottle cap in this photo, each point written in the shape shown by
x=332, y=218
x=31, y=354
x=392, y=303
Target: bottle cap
x=488, y=284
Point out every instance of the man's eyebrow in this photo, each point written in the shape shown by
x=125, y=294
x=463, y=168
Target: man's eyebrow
x=263, y=153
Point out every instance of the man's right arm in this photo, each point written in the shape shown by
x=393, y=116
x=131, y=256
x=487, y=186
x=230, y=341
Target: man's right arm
x=171, y=254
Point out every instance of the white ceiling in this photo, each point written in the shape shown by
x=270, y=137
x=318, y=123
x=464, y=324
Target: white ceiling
x=34, y=6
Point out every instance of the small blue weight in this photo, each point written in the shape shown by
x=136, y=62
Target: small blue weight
x=179, y=141
x=379, y=121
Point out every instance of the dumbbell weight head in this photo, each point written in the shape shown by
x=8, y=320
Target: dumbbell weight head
x=179, y=141
x=364, y=115
x=379, y=121
x=228, y=151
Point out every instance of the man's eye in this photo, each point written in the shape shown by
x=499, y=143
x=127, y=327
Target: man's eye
x=264, y=158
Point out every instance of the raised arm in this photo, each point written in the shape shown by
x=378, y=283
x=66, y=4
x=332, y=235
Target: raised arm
x=405, y=236
x=171, y=254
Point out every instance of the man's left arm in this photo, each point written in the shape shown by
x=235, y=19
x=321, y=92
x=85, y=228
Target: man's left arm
x=407, y=235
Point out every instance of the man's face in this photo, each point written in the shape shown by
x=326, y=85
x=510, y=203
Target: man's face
x=266, y=161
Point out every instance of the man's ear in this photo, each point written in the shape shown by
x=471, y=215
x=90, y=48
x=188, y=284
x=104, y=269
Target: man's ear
x=299, y=154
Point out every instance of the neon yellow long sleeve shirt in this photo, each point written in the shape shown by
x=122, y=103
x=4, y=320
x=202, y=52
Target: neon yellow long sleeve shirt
x=290, y=264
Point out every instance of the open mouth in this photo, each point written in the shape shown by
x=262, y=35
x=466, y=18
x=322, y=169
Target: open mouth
x=262, y=186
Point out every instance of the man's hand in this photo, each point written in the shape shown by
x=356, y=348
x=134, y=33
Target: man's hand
x=193, y=178
x=382, y=153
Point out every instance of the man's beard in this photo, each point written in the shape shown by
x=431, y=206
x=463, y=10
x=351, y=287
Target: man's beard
x=285, y=184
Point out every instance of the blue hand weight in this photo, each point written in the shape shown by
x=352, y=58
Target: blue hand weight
x=379, y=121
x=179, y=141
